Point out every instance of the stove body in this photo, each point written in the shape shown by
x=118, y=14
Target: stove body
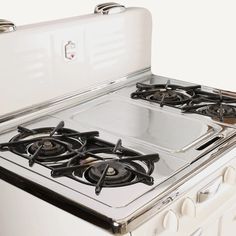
x=84, y=71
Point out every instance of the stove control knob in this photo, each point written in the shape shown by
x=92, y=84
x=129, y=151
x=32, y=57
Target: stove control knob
x=230, y=175
x=188, y=208
x=171, y=221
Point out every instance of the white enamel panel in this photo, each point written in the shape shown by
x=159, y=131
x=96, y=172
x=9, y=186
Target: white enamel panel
x=34, y=67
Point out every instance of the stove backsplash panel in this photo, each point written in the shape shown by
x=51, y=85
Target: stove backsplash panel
x=48, y=60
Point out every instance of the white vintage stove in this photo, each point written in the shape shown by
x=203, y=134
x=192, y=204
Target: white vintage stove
x=92, y=143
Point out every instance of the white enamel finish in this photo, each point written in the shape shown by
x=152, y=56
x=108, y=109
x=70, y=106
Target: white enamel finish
x=228, y=222
x=105, y=48
x=171, y=221
x=22, y=214
x=230, y=175
x=188, y=208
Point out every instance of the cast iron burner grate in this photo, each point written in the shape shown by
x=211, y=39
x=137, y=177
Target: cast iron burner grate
x=82, y=156
x=216, y=106
x=191, y=99
x=165, y=94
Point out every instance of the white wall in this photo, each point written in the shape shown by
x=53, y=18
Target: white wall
x=193, y=40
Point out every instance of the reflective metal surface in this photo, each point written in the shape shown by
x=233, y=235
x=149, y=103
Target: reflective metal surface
x=164, y=168
x=167, y=129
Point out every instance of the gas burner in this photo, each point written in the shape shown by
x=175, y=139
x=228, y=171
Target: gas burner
x=214, y=105
x=190, y=99
x=116, y=174
x=103, y=164
x=82, y=156
x=221, y=110
x=165, y=94
x=49, y=146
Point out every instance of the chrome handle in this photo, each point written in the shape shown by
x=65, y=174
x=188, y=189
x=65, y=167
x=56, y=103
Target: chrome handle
x=99, y=7
x=210, y=190
x=109, y=8
x=198, y=232
x=6, y=26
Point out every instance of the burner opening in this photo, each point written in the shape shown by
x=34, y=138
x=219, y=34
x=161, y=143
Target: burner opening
x=116, y=174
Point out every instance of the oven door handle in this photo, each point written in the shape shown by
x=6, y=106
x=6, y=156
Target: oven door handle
x=210, y=190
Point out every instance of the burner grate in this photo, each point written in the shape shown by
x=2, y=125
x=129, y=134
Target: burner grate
x=47, y=145
x=165, y=94
x=191, y=99
x=214, y=105
x=82, y=157
x=110, y=166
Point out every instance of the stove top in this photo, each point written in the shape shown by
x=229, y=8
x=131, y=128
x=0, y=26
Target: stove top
x=113, y=156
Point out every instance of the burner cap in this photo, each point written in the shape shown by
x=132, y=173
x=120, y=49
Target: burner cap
x=49, y=148
x=116, y=173
x=169, y=95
